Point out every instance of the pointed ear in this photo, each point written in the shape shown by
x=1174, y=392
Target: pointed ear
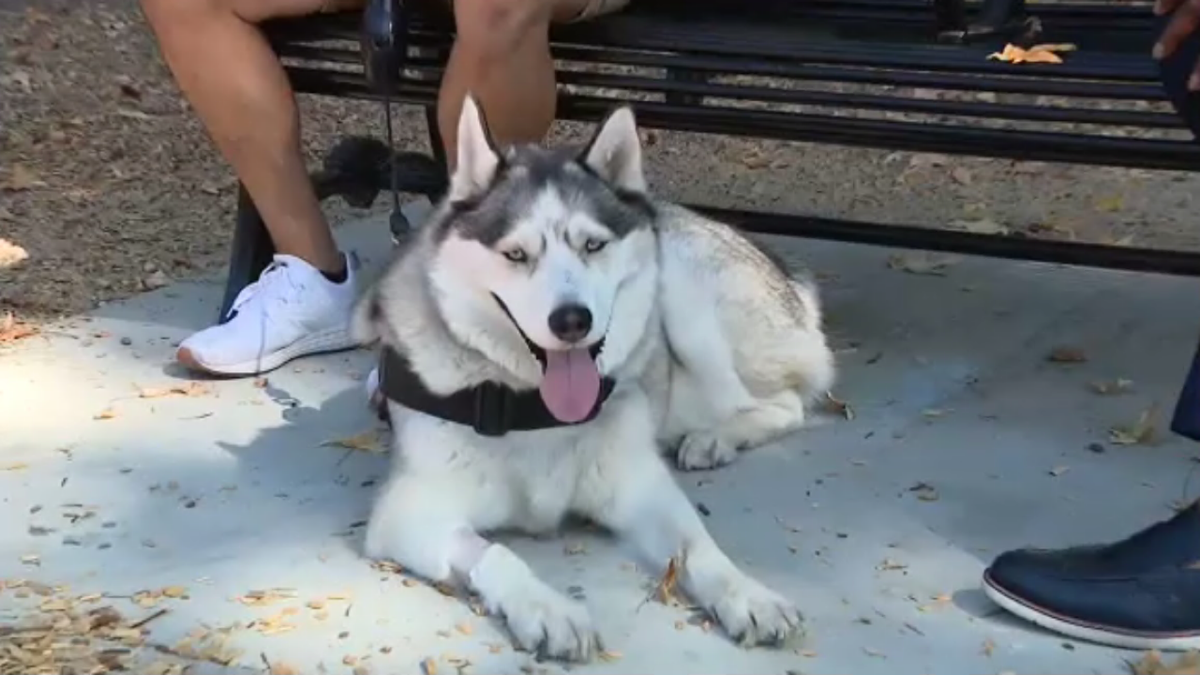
x=615, y=152
x=477, y=159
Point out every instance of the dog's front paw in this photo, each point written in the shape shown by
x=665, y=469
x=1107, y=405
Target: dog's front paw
x=753, y=614
x=704, y=450
x=551, y=625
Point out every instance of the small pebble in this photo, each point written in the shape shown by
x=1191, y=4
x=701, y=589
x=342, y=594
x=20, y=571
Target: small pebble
x=126, y=341
x=703, y=509
x=1096, y=448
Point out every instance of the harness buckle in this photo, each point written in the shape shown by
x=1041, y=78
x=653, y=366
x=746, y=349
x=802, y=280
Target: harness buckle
x=493, y=409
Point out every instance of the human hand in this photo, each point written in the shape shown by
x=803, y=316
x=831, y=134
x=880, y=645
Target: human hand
x=1185, y=20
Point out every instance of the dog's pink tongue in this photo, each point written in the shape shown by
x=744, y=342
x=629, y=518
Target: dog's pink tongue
x=571, y=384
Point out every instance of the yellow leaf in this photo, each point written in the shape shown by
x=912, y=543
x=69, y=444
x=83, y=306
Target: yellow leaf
x=1110, y=204
x=367, y=441
x=837, y=406
x=1044, y=53
x=1140, y=433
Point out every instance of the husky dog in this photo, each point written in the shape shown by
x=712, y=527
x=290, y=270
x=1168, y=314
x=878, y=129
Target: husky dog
x=612, y=325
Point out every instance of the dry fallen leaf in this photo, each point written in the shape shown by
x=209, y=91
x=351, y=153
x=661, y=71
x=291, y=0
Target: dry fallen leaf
x=1140, y=433
x=106, y=414
x=19, y=179
x=191, y=389
x=281, y=668
x=925, y=492
x=1111, y=387
x=988, y=647
x=367, y=441
x=837, y=406
x=608, y=656
x=1066, y=355
x=1046, y=53
x=1110, y=204
x=11, y=330
x=429, y=666
x=980, y=226
x=15, y=466
x=1152, y=663
x=11, y=254
x=664, y=591
x=574, y=548
x=922, y=263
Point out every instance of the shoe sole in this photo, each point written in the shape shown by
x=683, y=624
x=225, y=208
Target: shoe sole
x=1110, y=637
x=334, y=340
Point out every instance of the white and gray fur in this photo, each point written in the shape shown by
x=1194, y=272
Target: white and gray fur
x=713, y=347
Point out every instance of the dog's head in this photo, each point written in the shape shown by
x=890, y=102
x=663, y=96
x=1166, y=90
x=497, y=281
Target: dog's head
x=545, y=240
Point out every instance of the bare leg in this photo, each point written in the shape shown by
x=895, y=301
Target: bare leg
x=502, y=56
x=237, y=86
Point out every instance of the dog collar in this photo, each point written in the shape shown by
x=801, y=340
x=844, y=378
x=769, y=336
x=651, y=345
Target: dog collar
x=490, y=408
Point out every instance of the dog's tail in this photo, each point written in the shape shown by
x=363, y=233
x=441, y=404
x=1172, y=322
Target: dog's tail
x=817, y=370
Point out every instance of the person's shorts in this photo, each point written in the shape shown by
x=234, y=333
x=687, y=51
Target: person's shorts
x=591, y=8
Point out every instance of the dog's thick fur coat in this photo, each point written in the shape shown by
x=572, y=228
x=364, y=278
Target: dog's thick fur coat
x=713, y=349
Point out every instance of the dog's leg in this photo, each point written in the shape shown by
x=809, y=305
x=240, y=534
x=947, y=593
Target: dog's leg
x=762, y=422
x=418, y=522
x=633, y=493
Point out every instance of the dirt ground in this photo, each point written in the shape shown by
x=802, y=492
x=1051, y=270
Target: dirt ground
x=108, y=185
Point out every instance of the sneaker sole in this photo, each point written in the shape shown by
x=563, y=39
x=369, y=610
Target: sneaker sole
x=325, y=342
x=1110, y=637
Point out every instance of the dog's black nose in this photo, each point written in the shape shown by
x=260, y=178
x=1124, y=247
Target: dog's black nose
x=571, y=323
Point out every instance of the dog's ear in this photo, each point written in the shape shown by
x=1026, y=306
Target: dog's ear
x=615, y=151
x=477, y=159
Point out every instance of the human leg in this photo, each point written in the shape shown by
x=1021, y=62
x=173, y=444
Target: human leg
x=1142, y=592
x=234, y=81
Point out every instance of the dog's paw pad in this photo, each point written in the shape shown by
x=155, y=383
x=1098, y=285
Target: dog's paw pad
x=552, y=626
x=703, y=450
x=753, y=615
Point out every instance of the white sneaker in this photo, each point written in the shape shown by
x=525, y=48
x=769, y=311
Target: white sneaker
x=291, y=311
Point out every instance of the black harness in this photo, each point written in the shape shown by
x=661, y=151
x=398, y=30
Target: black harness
x=490, y=408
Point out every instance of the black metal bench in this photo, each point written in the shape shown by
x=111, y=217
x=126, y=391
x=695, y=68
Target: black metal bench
x=831, y=71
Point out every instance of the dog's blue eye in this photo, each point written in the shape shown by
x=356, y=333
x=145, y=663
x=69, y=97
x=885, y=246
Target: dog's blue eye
x=594, y=245
x=516, y=255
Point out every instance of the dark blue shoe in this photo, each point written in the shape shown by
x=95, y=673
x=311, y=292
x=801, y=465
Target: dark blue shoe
x=1139, y=593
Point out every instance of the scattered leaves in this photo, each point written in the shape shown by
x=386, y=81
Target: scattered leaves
x=20, y=179
x=11, y=254
x=367, y=441
x=190, y=389
x=11, y=330
x=1067, y=354
x=980, y=226
x=1111, y=387
x=922, y=263
x=1140, y=433
x=1110, y=204
x=664, y=590
x=836, y=406
x=1045, y=53
x=924, y=492
x=1152, y=663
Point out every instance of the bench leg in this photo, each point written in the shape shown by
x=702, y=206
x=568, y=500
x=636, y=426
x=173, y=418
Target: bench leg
x=436, y=145
x=250, y=253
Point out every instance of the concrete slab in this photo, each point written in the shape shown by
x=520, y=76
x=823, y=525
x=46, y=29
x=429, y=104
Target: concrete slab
x=233, y=490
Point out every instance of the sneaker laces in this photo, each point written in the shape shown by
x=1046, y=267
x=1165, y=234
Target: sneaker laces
x=275, y=274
